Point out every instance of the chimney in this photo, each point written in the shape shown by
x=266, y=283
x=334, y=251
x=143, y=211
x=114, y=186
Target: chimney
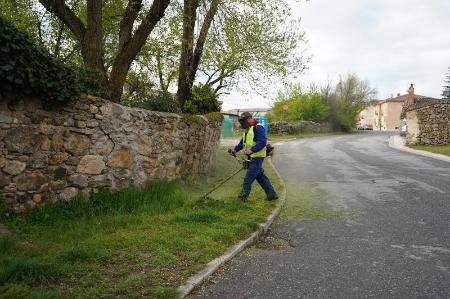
x=411, y=95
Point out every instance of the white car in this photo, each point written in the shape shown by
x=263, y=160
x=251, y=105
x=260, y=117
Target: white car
x=403, y=128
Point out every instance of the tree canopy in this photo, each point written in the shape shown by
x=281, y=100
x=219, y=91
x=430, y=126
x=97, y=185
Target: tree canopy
x=166, y=45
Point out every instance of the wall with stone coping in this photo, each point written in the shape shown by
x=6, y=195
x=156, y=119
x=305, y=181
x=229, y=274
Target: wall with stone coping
x=429, y=124
x=282, y=127
x=51, y=152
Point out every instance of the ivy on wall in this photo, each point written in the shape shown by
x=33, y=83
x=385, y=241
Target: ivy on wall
x=27, y=69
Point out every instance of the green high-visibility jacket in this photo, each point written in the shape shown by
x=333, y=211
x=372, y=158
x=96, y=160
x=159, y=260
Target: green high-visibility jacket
x=248, y=142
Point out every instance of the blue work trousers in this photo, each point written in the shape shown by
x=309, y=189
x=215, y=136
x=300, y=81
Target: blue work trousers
x=256, y=172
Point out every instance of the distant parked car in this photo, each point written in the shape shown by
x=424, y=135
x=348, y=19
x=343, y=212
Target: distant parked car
x=364, y=127
x=403, y=128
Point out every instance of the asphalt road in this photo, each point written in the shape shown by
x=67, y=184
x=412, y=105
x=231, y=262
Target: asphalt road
x=376, y=225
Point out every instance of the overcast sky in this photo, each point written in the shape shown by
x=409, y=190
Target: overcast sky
x=390, y=43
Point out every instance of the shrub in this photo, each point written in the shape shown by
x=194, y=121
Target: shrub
x=27, y=69
x=156, y=101
x=204, y=100
x=91, y=81
x=301, y=106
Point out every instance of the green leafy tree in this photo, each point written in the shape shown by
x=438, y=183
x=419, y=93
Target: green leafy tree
x=204, y=100
x=130, y=36
x=348, y=98
x=192, y=47
x=301, y=105
x=252, y=41
x=43, y=28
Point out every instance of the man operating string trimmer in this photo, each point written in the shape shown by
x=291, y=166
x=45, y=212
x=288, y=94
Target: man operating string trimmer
x=253, y=142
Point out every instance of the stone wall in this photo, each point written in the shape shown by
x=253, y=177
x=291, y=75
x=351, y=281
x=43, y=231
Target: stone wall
x=282, y=127
x=54, y=152
x=429, y=124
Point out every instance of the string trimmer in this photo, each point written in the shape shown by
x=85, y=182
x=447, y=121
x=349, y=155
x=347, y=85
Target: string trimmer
x=245, y=164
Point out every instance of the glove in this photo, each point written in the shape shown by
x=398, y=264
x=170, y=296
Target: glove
x=232, y=152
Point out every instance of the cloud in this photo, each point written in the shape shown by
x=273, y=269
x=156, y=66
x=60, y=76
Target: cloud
x=389, y=43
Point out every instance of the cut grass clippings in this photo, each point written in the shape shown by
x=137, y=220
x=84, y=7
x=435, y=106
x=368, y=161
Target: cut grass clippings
x=131, y=244
x=437, y=149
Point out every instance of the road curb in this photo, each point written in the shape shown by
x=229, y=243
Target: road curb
x=397, y=142
x=215, y=264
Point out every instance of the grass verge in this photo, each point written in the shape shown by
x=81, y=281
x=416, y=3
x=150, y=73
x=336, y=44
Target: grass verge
x=134, y=243
x=438, y=149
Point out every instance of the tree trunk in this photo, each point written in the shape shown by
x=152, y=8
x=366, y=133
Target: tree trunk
x=92, y=42
x=198, y=52
x=131, y=48
x=184, y=92
x=90, y=36
x=190, y=57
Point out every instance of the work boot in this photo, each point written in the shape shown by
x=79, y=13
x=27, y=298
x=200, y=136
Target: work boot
x=243, y=195
x=272, y=197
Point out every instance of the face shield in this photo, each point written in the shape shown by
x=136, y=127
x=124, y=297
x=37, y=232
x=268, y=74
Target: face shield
x=243, y=120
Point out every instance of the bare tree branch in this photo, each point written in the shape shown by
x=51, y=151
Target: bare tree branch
x=67, y=16
x=127, y=22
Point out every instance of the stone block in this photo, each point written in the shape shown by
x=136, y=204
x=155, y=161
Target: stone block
x=103, y=146
x=99, y=181
x=93, y=109
x=30, y=180
x=80, y=124
x=37, y=198
x=120, y=159
x=68, y=193
x=77, y=144
x=91, y=164
x=2, y=162
x=79, y=180
x=60, y=173
x=14, y=167
x=143, y=145
x=4, y=180
x=38, y=160
x=58, y=158
x=21, y=140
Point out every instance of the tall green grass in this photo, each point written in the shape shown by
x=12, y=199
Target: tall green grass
x=157, y=197
x=133, y=243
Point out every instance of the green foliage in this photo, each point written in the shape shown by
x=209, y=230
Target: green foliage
x=27, y=69
x=78, y=254
x=165, y=292
x=204, y=100
x=130, y=249
x=156, y=197
x=301, y=106
x=6, y=243
x=215, y=117
x=152, y=100
x=22, y=291
x=257, y=42
x=348, y=98
x=33, y=271
x=91, y=81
